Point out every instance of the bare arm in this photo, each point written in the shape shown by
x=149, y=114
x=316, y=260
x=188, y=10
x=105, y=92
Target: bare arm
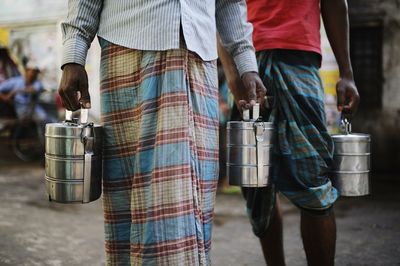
x=335, y=17
x=232, y=76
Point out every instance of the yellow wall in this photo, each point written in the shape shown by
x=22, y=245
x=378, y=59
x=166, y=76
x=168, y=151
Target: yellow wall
x=4, y=37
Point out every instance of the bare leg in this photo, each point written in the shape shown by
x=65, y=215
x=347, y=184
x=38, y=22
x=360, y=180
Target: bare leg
x=272, y=241
x=319, y=238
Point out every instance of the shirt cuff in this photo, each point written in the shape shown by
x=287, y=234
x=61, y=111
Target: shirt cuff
x=246, y=62
x=74, y=51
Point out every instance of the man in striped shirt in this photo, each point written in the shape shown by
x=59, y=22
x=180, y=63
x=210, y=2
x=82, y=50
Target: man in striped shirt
x=159, y=100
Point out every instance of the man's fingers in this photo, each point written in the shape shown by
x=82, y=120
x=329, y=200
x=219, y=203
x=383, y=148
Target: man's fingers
x=64, y=99
x=72, y=98
x=251, y=91
x=261, y=92
x=340, y=99
x=85, y=98
x=245, y=105
x=352, y=106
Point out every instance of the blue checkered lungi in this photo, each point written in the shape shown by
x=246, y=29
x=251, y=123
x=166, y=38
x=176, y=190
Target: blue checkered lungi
x=303, y=149
x=160, y=116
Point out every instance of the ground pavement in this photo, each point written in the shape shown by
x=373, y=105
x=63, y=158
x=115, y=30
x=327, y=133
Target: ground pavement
x=38, y=233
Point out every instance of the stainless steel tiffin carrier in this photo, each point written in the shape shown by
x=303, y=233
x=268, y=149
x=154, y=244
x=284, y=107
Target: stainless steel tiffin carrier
x=351, y=161
x=249, y=148
x=73, y=160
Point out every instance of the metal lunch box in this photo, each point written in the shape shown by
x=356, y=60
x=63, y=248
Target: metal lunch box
x=73, y=160
x=351, y=167
x=249, y=148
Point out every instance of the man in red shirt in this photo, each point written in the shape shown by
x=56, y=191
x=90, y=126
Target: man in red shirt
x=287, y=39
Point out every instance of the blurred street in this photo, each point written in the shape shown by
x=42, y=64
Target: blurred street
x=36, y=232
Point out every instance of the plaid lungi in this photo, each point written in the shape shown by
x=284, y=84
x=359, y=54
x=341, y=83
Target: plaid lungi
x=160, y=116
x=303, y=150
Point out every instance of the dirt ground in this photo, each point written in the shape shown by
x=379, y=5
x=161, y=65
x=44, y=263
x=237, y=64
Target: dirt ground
x=36, y=232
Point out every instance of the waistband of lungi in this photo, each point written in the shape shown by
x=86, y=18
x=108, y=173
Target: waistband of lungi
x=293, y=57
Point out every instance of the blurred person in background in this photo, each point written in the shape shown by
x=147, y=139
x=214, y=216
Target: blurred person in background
x=287, y=40
x=22, y=93
x=159, y=96
x=8, y=69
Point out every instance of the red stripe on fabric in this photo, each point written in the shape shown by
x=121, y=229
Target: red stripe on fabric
x=165, y=137
x=145, y=144
x=165, y=100
x=114, y=247
x=163, y=211
x=204, y=89
x=112, y=50
x=165, y=248
x=207, y=154
x=137, y=77
x=117, y=185
x=115, y=217
x=208, y=217
x=205, y=121
x=122, y=150
x=160, y=175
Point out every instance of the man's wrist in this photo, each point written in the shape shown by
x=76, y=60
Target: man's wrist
x=71, y=65
x=346, y=73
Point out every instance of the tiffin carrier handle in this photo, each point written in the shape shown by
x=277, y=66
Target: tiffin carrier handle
x=83, y=116
x=255, y=114
x=346, y=123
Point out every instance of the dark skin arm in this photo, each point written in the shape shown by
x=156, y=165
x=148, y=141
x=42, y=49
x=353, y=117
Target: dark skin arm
x=231, y=74
x=335, y=16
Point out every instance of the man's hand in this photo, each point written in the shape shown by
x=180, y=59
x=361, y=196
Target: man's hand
x=8, y=98
x=255, y=90
x=74, y=89
x=347, y=96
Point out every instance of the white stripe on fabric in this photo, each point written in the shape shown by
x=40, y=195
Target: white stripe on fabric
x=155, y=25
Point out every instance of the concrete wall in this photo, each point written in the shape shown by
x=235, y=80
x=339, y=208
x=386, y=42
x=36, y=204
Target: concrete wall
x=384, y=124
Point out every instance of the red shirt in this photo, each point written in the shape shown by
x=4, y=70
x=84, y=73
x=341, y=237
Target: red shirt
x=285, y=24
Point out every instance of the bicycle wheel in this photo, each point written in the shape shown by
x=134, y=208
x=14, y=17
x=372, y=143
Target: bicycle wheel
x=27, y=141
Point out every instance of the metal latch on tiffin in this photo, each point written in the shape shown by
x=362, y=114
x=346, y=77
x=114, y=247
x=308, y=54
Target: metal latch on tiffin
x=259, y=128
x=87, y=138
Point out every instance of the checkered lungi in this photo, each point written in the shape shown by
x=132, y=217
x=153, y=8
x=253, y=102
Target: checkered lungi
x=160, y=115
x=303, y=150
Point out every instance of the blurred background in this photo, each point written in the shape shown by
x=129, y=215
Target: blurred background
x=35, y=232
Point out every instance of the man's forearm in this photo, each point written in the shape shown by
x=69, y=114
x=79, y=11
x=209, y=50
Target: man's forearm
x=336, y=21
x=231, y=73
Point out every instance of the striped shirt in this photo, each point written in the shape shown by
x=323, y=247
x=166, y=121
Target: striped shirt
x=157, y=25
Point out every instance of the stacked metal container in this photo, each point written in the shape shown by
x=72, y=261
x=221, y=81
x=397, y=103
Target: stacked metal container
x=249, y=148
x=73, y=160
x=351, y=171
